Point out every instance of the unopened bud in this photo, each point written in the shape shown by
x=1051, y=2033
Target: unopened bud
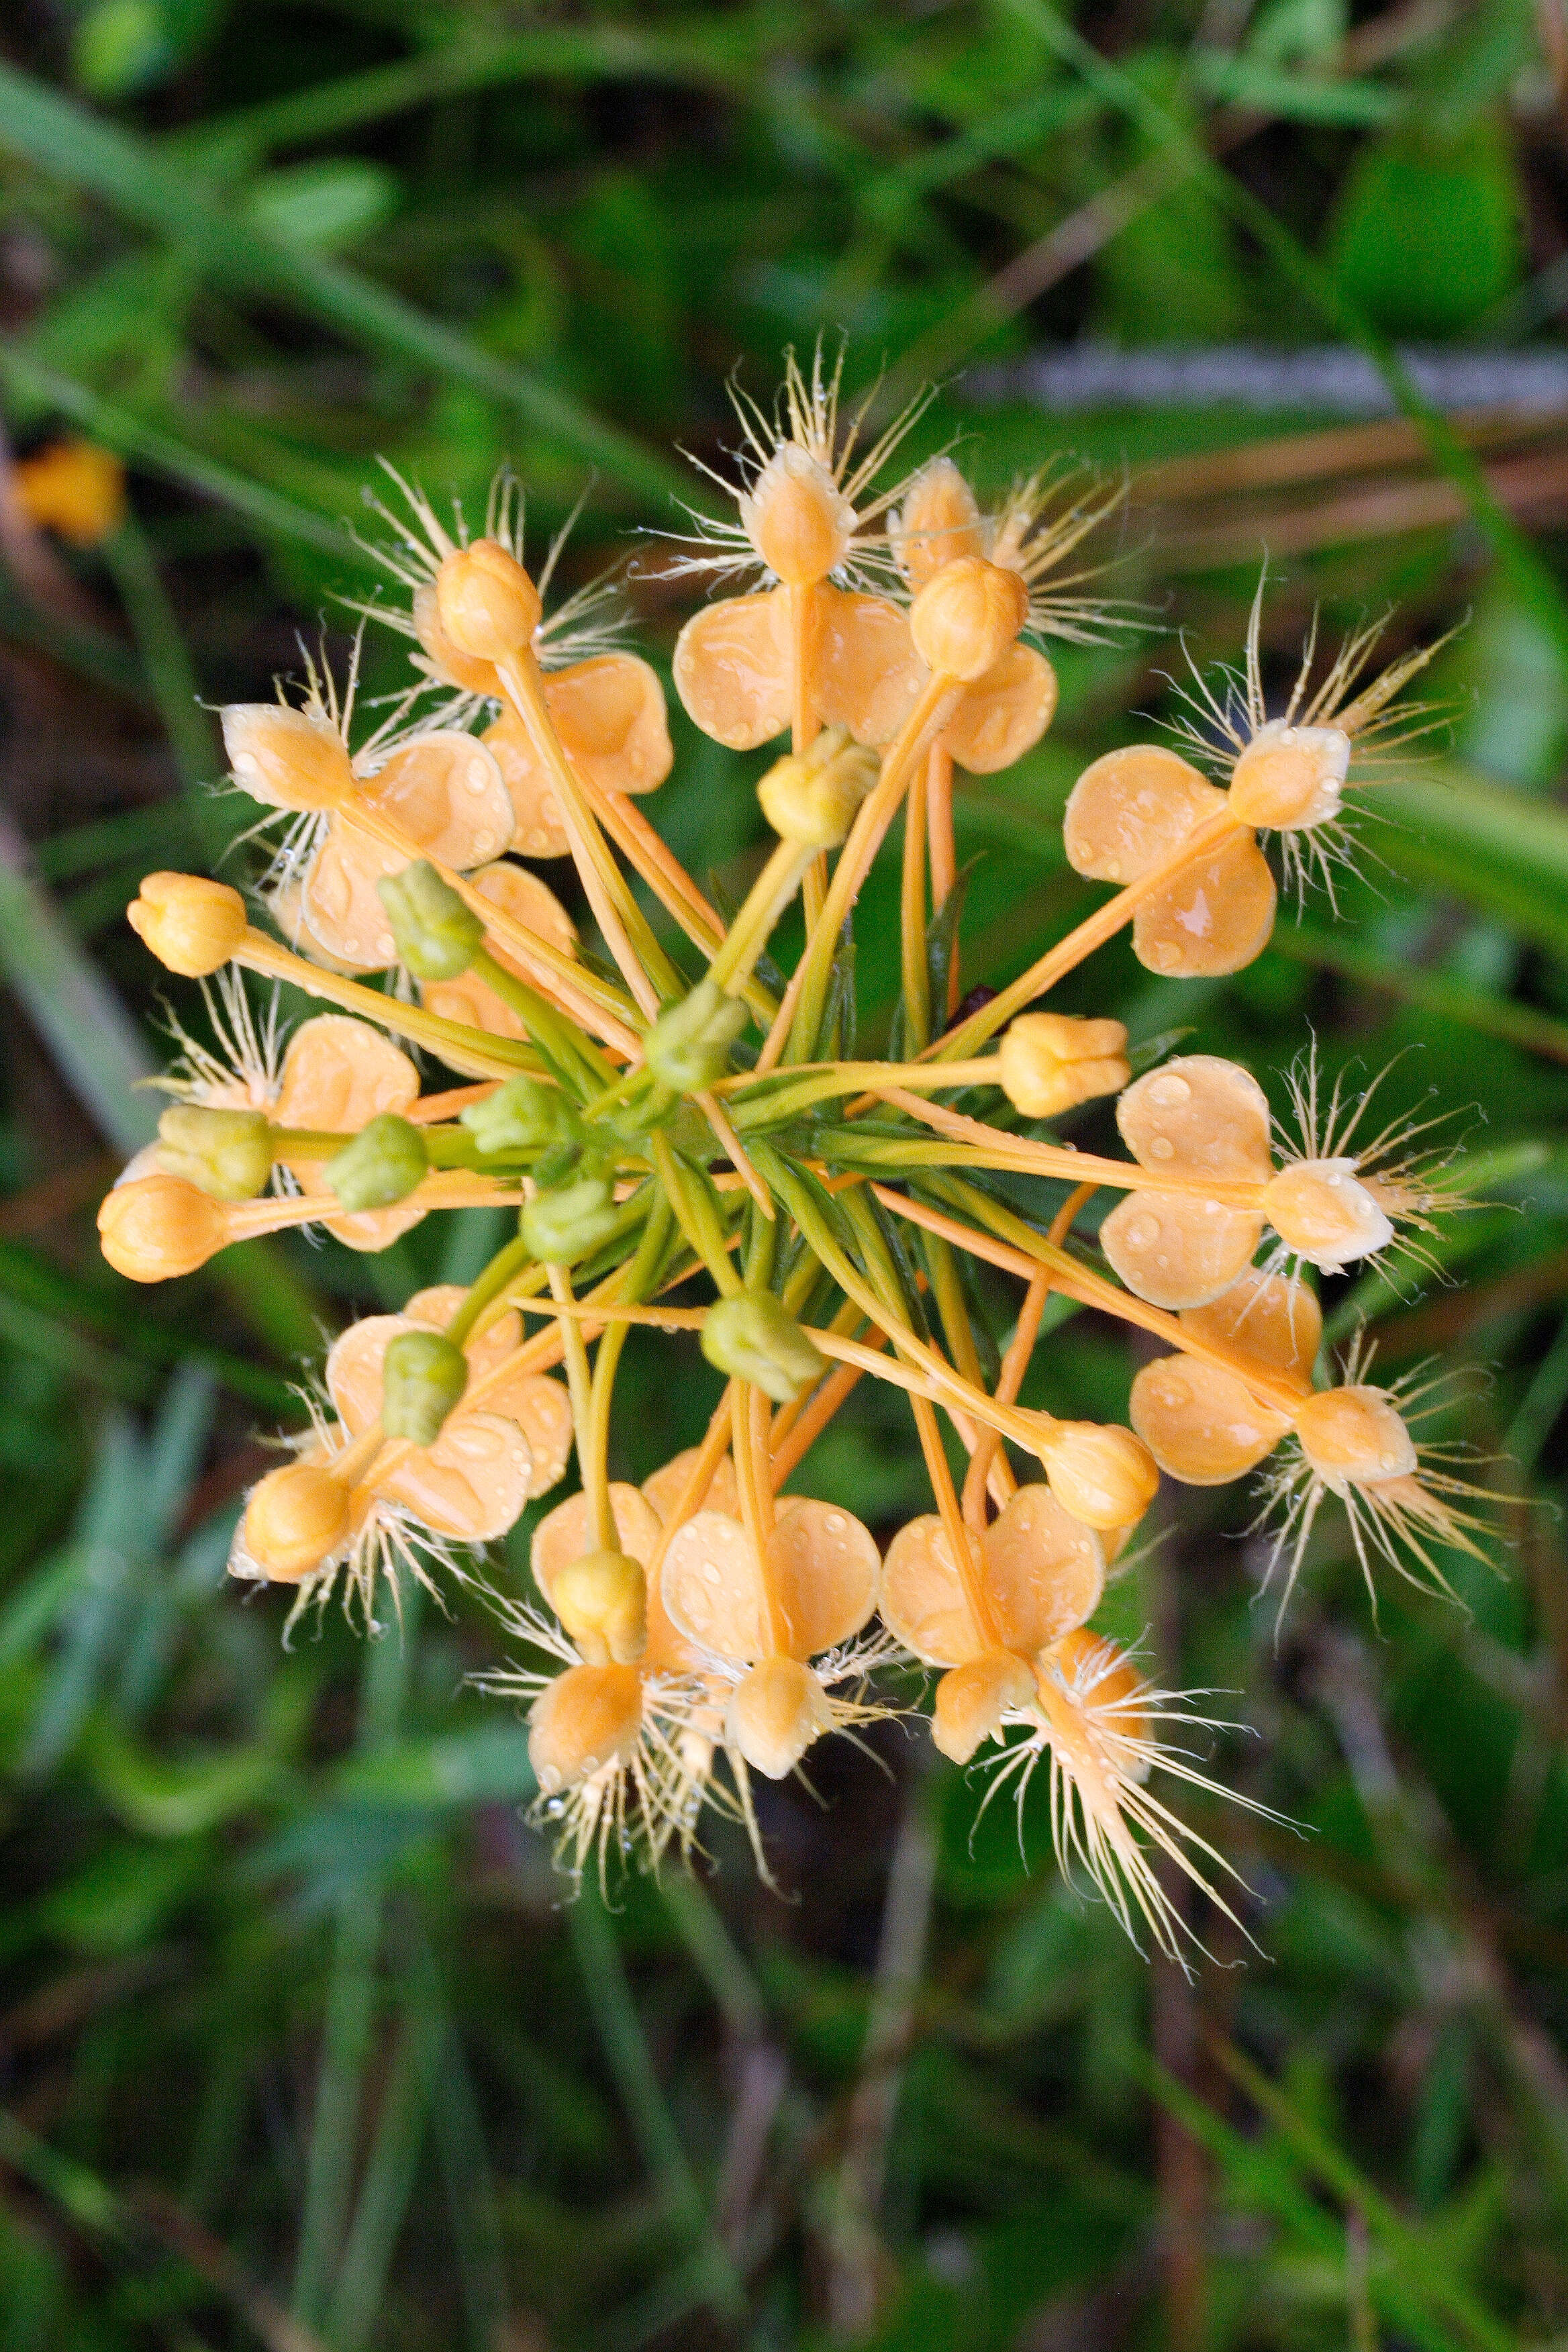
x=193, y=925
x=1323, y=1211
x=602, y=1601
x=776, y=1714
x=489, y=606
x=1355, y=1437
x=938, y=521
x=563, y=1222
x=972, y=1699
x=811, y=800
x=749, y=1337
x=160, y=1226
x=1291, y=777
x=287, y=758
x=1049, y=1062
x=588, y=1717
x=525, y=1115
x=687, y=1047
x=966, y=617
x=437, y=936
x=228, y=1153
x=382, y=1164
x=294, y=1520
x=796, y=517
x=423, y=1377
x=1100, y=1473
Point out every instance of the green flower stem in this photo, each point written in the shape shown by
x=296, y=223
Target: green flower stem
x=783, y=1095
x=809, y=988
x=474, y=1052
x=952, y=1306
x=574, y=1356
x=506, y=1264
x=797, y=1196
x=445, y=1147
x=577, y=1059
x=645, y=969
x=641, y=1275
x=695, y=1205
x=752, y=928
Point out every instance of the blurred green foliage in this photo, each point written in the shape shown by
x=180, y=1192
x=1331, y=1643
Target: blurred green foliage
x=300, y=2044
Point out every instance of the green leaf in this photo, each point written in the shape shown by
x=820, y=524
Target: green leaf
x=1426, y=233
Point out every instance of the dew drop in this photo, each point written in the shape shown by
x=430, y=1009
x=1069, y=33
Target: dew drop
x=1143, y=1231
x=834, y=1521
x=1162, y=1147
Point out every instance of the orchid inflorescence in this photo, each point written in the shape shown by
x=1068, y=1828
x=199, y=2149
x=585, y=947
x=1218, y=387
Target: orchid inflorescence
x=672, y=1120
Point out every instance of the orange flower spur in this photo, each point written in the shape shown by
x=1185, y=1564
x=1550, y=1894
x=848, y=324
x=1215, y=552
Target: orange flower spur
x=680, y=1140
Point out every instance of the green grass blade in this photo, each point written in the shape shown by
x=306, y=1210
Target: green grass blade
x=143, y=445
x=103, y=158
x=625, y=2048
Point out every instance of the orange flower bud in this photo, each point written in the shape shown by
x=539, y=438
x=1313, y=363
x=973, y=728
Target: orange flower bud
x=73, y=488
x=1355, y=1437
x=796, y=517
x=972, y=1699
x=776, y=1714
x=1291, y=777
x=1102, y=1475
x=286, y=757
x=588, y=1717
x=192, y=925
x=964, y=619
x=488, y=606
x=1049, y=1062
x=156, y=1227
x=294, y=1519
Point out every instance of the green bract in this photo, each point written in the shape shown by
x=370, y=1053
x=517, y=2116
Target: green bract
x=566, y=1221
x=382, y=1164
x=687, y=1047
x=525, y=1115
x=423, y=1375
x=228, y=1153
x=750, y=1337
x=438, y=937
